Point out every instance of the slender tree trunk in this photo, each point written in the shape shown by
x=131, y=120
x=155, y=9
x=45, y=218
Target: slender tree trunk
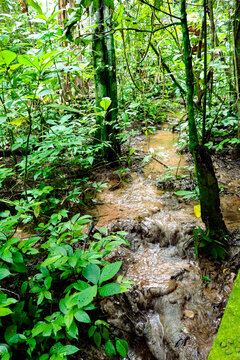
x=65, y=82
x=207, y=182
x=213, y=44
x=236, y=45
x=104, y=63
x=205, y=72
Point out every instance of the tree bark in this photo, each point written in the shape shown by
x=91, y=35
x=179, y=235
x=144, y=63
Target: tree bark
x=206, y=179
x=104, y=63
x=236, y=45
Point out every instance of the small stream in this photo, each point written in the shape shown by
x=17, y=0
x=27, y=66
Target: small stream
x=139, y=197
x=171, y=313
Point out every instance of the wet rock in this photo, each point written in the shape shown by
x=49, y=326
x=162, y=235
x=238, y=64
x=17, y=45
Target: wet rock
x=154, y=333
x=158, y=291
x=189, y=313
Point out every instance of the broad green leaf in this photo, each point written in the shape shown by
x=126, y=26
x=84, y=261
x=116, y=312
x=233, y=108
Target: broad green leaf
x=92, y=273
x=112, y=244
x=38, y=329
x=68, y=318
x=4, y=273
x=36, y=210
x=109, y=271
x=132, y=151
x=4, y=352
x=110, y=289
x=183, y=193
x=84, y=297
x=29, y=60
x=122, y=347
x=51, y=260
x=105, y=333
x=73, y=331
x=105, y=103
x=91, y=331
x=44, y=357
x=10, y=334
x=24, y=287
x=109, y=348
x=69, y=350
x=81, y=285
x=8, y=301
x=5, y=311
x=36, y=6
x=59, y=349
x=97, y=338
x=64, y=107
x=21, y=268
x=45, y=92
x=82, y=316
x=7, y=56
x=19, y=121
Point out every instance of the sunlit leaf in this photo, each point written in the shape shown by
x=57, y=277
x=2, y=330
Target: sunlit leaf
x=29, y=60
x=7, y=56
x=84, y=297
x=109, y=271
x=110, y=289
x=82, y=316
x=36, y=6
x=5, y=311
x=105, y=103
x=4, y=273
x=92, y=273
x=197, y=210
x=20, y=121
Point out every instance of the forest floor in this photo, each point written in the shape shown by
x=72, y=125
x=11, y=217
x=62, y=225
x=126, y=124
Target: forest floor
x=177, y=302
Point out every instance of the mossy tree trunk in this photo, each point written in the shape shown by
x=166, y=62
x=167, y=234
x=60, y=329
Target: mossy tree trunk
x=104, y=63
x=207, y=182
x=236, y=44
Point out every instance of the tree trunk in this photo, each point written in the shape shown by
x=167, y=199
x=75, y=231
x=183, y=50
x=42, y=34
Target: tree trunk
x=236, y=44
x=207, y=182
x=104, y=63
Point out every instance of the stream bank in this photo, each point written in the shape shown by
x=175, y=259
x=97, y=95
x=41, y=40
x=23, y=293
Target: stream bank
x=171, y=312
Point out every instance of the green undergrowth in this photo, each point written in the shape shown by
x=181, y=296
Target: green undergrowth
x=227, y=342
x=51, y=285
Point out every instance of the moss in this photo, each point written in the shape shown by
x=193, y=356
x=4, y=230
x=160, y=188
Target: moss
x=227, y=342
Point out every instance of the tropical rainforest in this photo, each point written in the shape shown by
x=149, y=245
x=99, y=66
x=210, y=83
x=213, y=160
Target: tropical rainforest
x=119, y=177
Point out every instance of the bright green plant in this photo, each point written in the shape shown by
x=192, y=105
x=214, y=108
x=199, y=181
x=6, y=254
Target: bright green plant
x=211, y=247
x=53, y=313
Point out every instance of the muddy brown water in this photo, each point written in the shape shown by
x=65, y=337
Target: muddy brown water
x=171, y=313
x=140, y=197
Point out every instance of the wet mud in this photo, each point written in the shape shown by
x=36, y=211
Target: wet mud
x=176, y=304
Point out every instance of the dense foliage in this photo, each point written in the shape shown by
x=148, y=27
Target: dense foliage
x=53, y=135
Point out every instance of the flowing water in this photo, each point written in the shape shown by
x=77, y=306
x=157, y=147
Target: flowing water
x=171, y=313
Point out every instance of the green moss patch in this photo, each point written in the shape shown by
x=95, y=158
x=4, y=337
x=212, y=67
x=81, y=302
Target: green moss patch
x=227, y=342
